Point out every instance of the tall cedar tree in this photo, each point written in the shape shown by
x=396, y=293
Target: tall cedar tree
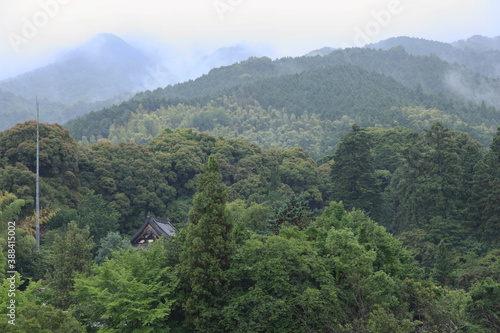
x=429, y=182
x=491, y=212
x=352, y=174
x=485, y=195
x=72, y=254
x=206, y=254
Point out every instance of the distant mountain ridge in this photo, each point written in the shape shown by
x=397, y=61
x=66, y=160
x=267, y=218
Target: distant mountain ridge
x=103, y=71
x=431, y=73
x=479, y=53
x=479, y=43
x=308, y=108
x=104, y=67
x=99, y=72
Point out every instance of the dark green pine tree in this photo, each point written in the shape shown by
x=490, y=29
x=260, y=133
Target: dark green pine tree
x=443, y=266
x=428, y=183
x=205, y=258
x=72, y=254
x=493, y=156
x=480, y=190
x=352, y=174
x=491, y=213
x=484, y=200
x=293, y=212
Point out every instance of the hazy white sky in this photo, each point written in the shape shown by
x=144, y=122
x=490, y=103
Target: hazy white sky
x=32, y=30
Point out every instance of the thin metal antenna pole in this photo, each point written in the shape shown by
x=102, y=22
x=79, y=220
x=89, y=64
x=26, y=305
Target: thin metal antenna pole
x=37, y=178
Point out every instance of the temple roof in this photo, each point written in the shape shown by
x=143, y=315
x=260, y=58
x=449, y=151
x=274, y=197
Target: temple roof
x=161, y=227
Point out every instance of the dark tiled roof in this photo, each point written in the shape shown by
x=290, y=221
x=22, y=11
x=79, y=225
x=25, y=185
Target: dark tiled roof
x=162, y=227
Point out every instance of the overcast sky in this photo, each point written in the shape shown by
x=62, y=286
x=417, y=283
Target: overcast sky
x=32, y=30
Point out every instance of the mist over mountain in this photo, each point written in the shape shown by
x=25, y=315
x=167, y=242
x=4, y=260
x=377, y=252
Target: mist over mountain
x=320, y=52
x=430, y=73
x=103, y=71
x=304, y=101
x=107, y=70
x=481, y=54
x=479, y=43
x=103, y=67
x=173, y=65
x=16, y=109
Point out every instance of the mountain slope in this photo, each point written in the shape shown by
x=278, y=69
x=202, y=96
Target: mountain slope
x=17, y=109
x=431, y=73
x=479, y=43
x=104, y=67
x=478, y=53
x=308, y=109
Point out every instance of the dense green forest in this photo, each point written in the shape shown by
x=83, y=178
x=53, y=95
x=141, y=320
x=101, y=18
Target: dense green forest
x=396, y=230
x=354, y=190
x=430, y=72
x=310, y=110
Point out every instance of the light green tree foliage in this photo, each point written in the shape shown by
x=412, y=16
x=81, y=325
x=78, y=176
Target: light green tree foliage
x=254, y=217
x=381, y=321
x=270, y=128
x=130, y=293
x=451, y=306
x=10, y=208
x=99, y=216
x=72, y=255
x=27, y=260
x=280, y=285
x=26, y=254
x=112, y=242
x=205, y=259
x=343, y=273
x=30, y=314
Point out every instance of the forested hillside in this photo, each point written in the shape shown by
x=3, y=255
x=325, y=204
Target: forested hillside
x=396, y=231
x=431, y=73
x=310, y=110
x=478, y=53
x=351, y=192
x=110, y=67
x=104, y=71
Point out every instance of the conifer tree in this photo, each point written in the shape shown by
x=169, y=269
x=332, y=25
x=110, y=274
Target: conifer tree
x=493, y=156
x=293, y=212
x=480, y=189
x=206, y=254
x=429, y=181
x=485, y=194
x=492, y=213
x=72, y=254
x=352, y=173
